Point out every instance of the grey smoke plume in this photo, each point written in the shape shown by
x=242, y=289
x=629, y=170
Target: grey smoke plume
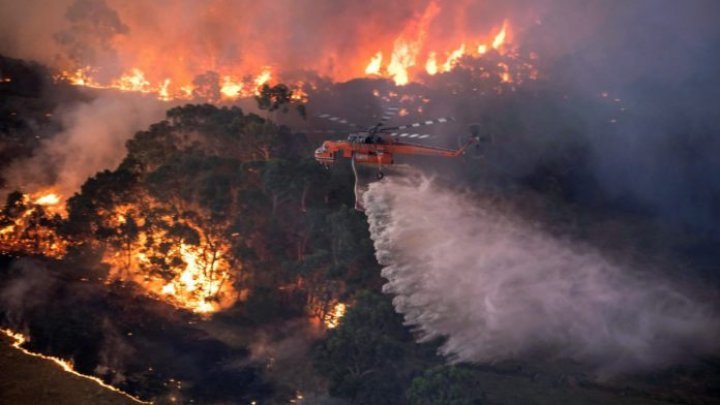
x=29, y=290
x=93, y=139
x=92, y=26
x=499, y=288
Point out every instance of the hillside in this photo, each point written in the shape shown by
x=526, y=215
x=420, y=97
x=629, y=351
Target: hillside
x=25, y=379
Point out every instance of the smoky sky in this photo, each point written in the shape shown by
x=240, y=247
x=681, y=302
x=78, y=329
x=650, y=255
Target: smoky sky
x=657, y=61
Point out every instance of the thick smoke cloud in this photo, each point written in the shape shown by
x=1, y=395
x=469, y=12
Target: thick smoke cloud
x=92, y=139
x=500, y=288
x=656, y=61
x=93, y=26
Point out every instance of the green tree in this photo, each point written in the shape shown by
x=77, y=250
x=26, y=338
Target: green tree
x=369, y=356
x=445, y=385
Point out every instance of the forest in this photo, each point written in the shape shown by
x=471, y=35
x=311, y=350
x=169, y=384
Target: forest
x=219, y=263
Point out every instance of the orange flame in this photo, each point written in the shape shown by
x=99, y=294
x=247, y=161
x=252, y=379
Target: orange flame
x=27, y=230
x=422, y=43
x=431, y=66
x=195, y=285
x=135, y=80
x=412, y=43
x=48, y=199
x=231, y=88
x=197, y=277
x=499, y=40
x=332, y=318
x=373, y=68
x=263, y=77
x=453, y=58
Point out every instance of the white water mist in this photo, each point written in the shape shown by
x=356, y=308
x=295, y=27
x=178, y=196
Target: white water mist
x=499, y=288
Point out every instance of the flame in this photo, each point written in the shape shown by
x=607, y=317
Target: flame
x=499, y=39
x=48, y=199
x=163, y=92
x=135, y=80
x=332, y=318
x=230, y=87
x=7, y=229
x=403, y=57
x=423, y=42
x=65, y=365
x=408, y=45
x=413, y=42
x=27, y=228
x=431, y=66
x=194, y=287
x=80, y=77
x=505, y=76
x=453, y=58
x=197, y=277
x=263, y=77
x=373, y=68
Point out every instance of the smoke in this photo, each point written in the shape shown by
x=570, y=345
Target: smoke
x=656, y=64
x=113, y=354
x=28, y=289
x=92, y=139
x=499, y=288
x=88, y=39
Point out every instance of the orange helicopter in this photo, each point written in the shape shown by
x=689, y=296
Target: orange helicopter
x=378, y=145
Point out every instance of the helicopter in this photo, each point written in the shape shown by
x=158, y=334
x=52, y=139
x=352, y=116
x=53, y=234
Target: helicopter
x=378, y=144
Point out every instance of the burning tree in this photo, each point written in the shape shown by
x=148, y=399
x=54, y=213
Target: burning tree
x=210, y=208
x=213, y=205
x=162, y=217
x=30, y=226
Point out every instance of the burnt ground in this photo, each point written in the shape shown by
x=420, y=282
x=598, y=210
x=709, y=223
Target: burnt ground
x=30, y=380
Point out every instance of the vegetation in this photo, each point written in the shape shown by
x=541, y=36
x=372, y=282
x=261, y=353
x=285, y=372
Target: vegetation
x=371, y=357
x=276, y=241
x=271, y=232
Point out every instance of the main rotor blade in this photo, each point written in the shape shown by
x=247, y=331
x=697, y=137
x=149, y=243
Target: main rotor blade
x=389, y=113
x=328, y=131
x=338, y=120
x=419, y=124
x=410, y=135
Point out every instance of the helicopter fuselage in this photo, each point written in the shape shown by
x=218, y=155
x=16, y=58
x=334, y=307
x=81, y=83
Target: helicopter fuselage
x=377, y=150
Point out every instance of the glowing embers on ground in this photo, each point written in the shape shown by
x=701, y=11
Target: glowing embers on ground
x=19, y=339
x=195, y=276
